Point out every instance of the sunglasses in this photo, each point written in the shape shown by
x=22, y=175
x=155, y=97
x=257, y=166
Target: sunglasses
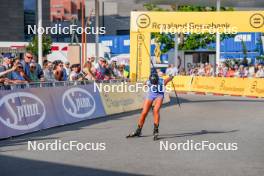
x=29, y=57
x=32, y=67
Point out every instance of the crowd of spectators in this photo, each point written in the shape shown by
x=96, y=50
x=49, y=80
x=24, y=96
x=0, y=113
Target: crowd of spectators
x=221, y=70
x=27, y=70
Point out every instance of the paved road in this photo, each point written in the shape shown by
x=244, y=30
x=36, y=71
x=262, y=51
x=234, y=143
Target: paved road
x=201, y=118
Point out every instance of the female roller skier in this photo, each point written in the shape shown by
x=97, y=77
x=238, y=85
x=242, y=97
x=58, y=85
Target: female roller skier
x=156, y=89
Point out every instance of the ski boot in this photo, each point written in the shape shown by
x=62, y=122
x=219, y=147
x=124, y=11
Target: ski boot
x=137, y=133
x=155, y=132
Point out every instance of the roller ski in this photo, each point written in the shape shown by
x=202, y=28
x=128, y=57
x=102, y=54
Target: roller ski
x=156, y=133
x=137, y=133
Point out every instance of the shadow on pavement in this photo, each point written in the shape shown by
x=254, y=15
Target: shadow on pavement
x=184, y=100
x=12, y=166
x=40, y=135
x=202, y=132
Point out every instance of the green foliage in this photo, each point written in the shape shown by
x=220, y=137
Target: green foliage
x=46, y=45
x=190, y=41
x=153, y=7
x=260, y=59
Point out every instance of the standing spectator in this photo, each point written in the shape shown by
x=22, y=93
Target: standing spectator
x=48, y=72
x=89, y=71
x=100, y=69
x=39, y=71
x=230, y=72
x=26, y=62
x=67, y=68
x=260, y=72
x=201, y=70
x=92, y=59
x=251, y=71
x=18, y=75
x=33, y=75
x=122, y=72
x=58, y=70
x=114, y=68
x=171, y=70
x=6, y=65
x=75, y=72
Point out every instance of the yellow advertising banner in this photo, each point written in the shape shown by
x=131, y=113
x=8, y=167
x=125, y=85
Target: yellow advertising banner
x=198, y=22
x=255, y=87
x=228, y=86
x=181, y=83
x=232, y=86
x=206, y=84
x=116, y=102
x=139, y=56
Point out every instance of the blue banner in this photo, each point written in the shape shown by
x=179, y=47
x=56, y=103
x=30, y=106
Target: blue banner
x=24, y=111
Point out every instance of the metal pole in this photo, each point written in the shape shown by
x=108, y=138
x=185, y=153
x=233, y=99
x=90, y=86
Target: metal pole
x=218, y=5
x=40, y=59
x=83, y=35
x=176, y=51
x=97, y=10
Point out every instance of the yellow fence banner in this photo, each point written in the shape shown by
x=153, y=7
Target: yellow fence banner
x=210, y=84
x=255, y=87
x=115, y=102
x=181, y=83
x=219, y=85
x=233, y=86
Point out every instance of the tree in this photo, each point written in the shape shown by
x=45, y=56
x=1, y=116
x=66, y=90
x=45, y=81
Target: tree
x=244, y=49
x=190, y=41
x=46, y=45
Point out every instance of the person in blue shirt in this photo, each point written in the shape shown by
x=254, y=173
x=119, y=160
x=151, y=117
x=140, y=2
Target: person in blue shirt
x=18, y=75
x=156, y=89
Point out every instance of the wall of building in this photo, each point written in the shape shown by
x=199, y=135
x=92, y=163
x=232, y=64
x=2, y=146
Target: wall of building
x=11, y=20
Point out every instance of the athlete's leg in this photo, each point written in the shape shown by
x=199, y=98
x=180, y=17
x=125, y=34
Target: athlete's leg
x=146, y=107
x=156, y=110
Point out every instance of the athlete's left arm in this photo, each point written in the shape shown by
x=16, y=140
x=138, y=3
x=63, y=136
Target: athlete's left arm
x=167, y=80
